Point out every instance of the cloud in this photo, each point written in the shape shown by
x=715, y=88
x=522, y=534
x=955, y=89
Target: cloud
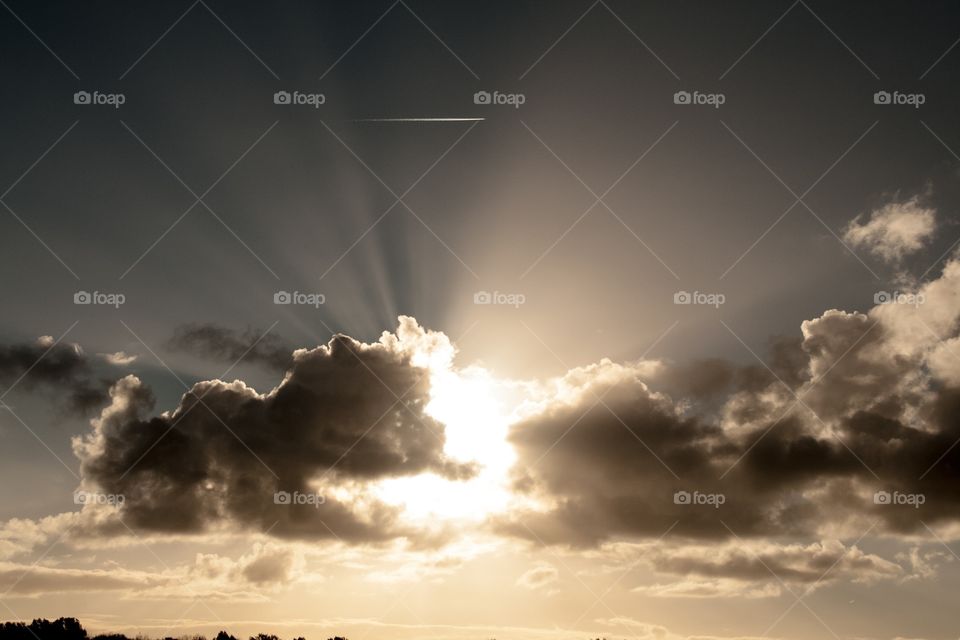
x=345, y=415
x=22, y=535
x=59, y=368
x=541, y=576
x=712, y=451
x=877, y=411
x=675, y=567
x=248, y=578
x=26, y=580
x=231, y=346
x=596, y=476
x=893, y=231
x=268, y=565
x=762, y=569
x=118, y=358
x=711, y=588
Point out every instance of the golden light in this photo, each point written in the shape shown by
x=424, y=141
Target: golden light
x=471, y=405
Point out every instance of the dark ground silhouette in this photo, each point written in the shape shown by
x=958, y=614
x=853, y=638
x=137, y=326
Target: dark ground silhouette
x=71, y=629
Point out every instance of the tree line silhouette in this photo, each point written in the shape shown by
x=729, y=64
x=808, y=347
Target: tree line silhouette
x=71, y=629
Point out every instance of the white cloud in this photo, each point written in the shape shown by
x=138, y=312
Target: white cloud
x=711, y=588
x=118, y=359
x=893, y=231
x=540, y=576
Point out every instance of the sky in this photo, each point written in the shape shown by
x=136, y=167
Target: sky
x=419, y=319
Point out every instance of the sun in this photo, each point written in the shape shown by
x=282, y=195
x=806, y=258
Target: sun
x=469, y=404
x=472, y=405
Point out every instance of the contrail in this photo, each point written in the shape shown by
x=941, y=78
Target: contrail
x=417, y=120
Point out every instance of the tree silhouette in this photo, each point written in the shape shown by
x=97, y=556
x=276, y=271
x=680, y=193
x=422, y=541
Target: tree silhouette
x=71, y=629
x=42, y=629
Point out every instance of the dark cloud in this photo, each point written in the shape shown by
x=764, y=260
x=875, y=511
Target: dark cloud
x=761, y=569
x=616, y=471
x=61, y=369
x=792, y=563
x=229, y=345
x=873, y=415
x=858, y=403
x=269, y=566
x=701, y=379
x=220, y=457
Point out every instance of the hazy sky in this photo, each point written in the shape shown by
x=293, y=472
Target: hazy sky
x=503, y=319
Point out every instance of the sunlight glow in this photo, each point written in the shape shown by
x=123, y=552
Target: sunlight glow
x=471, y=405
x=467, y=403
